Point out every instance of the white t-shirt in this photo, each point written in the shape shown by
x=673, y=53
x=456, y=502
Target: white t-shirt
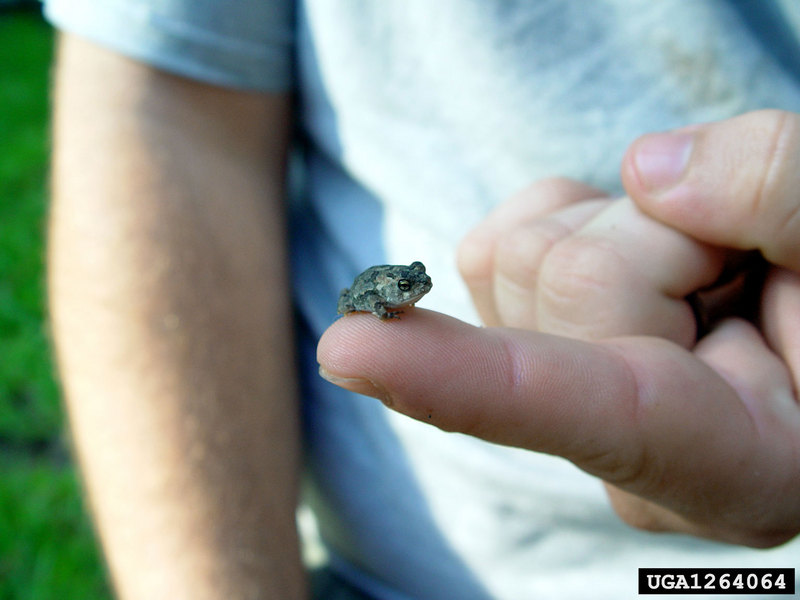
x=415, y=118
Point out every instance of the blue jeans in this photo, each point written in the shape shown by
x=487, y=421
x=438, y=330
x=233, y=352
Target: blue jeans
x=327, y=585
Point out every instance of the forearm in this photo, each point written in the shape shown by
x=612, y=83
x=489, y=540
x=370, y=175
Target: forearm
x=171, y=321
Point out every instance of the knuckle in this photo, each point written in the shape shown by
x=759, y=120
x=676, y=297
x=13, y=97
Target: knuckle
x=576, y=272
x=519, y=254
x=782, y=137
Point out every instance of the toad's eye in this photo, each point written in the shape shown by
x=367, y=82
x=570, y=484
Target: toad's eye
x=404, y=285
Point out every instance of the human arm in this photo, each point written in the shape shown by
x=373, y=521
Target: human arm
x=700, y=438
x=171, y=320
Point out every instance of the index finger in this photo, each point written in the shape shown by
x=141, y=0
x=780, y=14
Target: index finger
x=610, y=408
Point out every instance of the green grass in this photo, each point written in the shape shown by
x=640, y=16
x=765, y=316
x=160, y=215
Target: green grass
x=47, y=550
x=29, y=407
x=46, y=546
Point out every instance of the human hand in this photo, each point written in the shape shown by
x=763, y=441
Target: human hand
x=734, y=185
x=701, y=441
x=692, y=450
x=560, y=249
x=556, y=259
x=563, y=258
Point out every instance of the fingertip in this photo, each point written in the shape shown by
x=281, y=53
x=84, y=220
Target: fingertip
x=659, y=161
x=361, y=345
x=348, y=342
x=417, y=364
x=630, y=178
x=655, y=173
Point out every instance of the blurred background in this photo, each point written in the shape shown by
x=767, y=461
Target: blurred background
x=47, y=548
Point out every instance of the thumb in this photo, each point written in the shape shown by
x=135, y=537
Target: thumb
x=610, y=408
x=732, y=183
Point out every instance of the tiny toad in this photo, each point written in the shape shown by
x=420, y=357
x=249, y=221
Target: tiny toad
x=383, y=289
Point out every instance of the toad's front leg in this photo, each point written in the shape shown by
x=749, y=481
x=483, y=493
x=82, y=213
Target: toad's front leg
x=380, y=310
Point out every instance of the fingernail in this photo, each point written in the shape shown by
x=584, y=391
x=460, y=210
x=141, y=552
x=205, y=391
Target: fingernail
x=661, y=159
x=358, y=385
